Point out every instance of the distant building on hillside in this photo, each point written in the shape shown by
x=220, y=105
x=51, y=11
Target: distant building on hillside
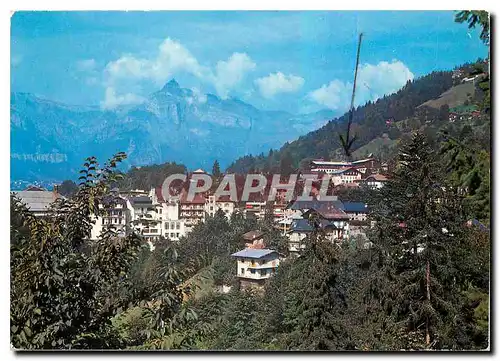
x=255, y=266
x=376, y=181
x=364, y=166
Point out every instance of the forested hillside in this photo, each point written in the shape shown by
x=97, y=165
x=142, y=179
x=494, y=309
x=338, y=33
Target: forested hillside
x=369, y=123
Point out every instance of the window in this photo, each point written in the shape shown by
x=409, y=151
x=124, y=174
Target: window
x=252, y=271
x=177, y=225
x=177, y=235
x=242, y=270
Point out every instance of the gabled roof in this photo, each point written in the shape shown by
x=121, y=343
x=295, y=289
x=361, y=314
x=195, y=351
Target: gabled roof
x=140, y=200
x=355, y=207
x=37, y=201
x=315, y=203
x=253, y=253
x=328, y=210
x=303, y=225
x=377, y=177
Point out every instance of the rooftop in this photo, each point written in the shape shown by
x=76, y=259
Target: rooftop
x=37, y=200
x=303, y=225
x=378, y=177
x=355, y=207
x=253, y=253
x=250, y=236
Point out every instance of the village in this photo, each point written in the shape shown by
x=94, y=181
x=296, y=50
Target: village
x=149, y=214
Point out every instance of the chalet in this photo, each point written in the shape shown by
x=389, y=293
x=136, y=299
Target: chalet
x=376, y=181
x=357, y=211
x=338, y=220
x=254, y=239
x=255, y=266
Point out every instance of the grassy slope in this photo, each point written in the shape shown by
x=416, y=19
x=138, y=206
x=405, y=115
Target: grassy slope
x=455, y=96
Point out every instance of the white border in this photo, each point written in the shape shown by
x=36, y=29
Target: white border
x=183, y=5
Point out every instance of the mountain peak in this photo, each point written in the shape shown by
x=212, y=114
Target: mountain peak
x=171, y=85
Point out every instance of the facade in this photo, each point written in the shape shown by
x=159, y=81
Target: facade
x=145, y=219
x=364, y=166
x=255, y=209
x=116, y=213
x=192, y=212
x=223, y=203
x=254, y=266
x=345, y=176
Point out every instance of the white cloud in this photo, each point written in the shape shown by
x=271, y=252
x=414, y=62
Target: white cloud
x=112, y=100
x=374, y=81
x=86, y=65
x=279, y=83
x=172, y=58
x=333, y=95
x=230, y=73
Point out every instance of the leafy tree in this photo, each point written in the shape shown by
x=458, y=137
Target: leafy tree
x=476, y=17
x=65, y=289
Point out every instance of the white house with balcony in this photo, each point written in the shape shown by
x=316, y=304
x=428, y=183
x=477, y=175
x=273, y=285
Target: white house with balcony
x=115, y=213
x=255, y=266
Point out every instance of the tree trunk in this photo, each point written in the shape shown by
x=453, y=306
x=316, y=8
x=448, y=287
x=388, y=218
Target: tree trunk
x=428, y=278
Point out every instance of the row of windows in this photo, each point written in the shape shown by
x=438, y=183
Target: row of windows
x=112, y=221
x=173, y=225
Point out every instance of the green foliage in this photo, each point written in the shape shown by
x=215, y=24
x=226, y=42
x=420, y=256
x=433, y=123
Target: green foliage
x=421, y=229
x=476, y=17
x=66, y=290
x=68, y=188
x=368, y=124
x=149, y=176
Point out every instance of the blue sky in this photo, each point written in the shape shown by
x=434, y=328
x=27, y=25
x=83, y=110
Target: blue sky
x=294, y=61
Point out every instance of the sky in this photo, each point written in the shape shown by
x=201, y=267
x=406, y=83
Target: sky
x=297, y=61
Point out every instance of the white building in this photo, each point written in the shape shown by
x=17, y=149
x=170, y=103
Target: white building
x=223, y=203
x=254, y=266
x=376, y=181
x=116, y=213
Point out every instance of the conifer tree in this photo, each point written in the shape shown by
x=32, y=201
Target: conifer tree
x=420, y=221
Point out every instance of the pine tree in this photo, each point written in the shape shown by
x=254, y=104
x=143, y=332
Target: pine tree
x=420, y=223
x=216, y=169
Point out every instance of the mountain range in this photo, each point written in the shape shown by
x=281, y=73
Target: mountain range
x=49, y=140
